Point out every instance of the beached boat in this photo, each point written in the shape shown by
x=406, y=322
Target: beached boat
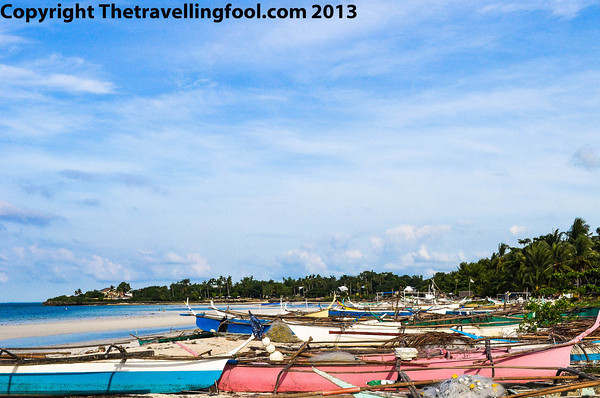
x=299, y=376
x=215, y=323
x=381, y=331
x=108, y=373
x=352, y=313
x=345, y=311
x=121, y=374
x=223, y=322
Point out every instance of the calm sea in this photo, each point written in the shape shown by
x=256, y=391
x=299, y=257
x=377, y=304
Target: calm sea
x=19, y=313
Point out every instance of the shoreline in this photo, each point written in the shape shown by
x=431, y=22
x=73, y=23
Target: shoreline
x=127, y=302
x=100, y=324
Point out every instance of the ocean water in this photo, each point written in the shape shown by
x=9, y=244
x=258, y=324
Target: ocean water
x=24, y=313
x=14, y=313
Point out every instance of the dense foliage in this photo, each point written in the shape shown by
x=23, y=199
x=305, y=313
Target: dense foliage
x=542, y=314
x=548, y=264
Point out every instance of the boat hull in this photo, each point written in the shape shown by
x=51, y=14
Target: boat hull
x=261, y=377
x=367, y=332
x=110, y=377
x=222, y=325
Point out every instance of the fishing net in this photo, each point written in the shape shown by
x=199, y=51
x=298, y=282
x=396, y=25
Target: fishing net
x=465, y=386
x=333, y=357
x=257, y=327
x=430, y=339
x=279, y=332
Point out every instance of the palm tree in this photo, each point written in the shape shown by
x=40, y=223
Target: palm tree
x=538, y=259
x=228, y=283
x=562, y=258
x=585, y=257
x=578, y=229
x=555, y=237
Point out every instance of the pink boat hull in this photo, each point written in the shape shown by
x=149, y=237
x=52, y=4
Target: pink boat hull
x=261, y=377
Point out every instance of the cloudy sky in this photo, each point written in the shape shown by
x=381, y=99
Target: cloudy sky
x=413, y=137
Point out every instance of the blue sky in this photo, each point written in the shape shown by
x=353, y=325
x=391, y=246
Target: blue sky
x=414, y=137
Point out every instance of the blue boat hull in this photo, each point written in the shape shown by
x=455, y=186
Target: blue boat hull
x=236, y=326
x=106, y=383
x=131, y=376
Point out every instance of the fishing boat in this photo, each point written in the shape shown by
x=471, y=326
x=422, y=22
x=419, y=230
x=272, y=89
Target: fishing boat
x=113, y=374
x=268, y=377
x=215, y=323
x=224, y=322
x=345, y=311
x=368, y=331
x=120, y=372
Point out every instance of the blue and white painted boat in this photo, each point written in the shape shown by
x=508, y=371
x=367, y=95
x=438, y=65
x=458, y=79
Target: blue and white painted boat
x=223, y=324
x=109, y=376
x=117, y=373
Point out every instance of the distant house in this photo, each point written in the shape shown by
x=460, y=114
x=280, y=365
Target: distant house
x=113, y=294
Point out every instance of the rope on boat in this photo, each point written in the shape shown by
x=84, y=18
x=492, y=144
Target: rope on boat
x=116, y=347
x=579, y=373
x=10, y=354
x=290, y=363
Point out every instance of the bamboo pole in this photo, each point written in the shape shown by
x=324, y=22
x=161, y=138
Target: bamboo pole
x=555, y=389
x=356, y=389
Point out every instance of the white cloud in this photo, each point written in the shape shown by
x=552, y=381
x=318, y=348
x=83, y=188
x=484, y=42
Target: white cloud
x=3, y=277
x=423, y=253
x=102, y=269
x=517, y=229
x=79, y=84
x=401, y=248
x=376, y=242
x=60, y=254
x=180, y=266
x=14, y=76
x=312, y=262
x=403, y=233
x=353, y=254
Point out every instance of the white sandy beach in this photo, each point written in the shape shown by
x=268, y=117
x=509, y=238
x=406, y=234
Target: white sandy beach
x=133, y=323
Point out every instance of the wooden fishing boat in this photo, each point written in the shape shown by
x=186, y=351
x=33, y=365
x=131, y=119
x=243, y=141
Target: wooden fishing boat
x=345, y=311
x=108, y=373
x=119, y=374
x=356, y=332
x=239, y=376
x=216, y=323
x=352, y=313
